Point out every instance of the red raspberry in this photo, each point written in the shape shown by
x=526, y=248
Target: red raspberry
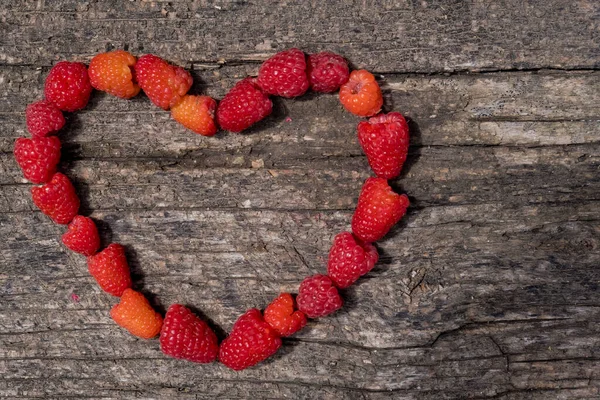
x=38, y=157
x=281, y=316
x=135, y=314
x=384, y=139
x=68, y=86
x=378, y=209
x=251, y=341
x=163, y=83
x=43, y=118
x=57, y=199
x=284, y=74
x=82, y=236
x=196, y=113
x=318, y=297
x=110, y=269
x=243, y=106
x=327, y=71
x=361, y=95
x=349, y=259
x=112, y=72
x=186, y=336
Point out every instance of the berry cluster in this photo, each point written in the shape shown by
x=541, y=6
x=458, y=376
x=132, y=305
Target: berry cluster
x=255, y=336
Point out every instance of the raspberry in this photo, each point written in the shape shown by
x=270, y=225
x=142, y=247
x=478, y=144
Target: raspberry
x=284, y=74
x=38, y=157
x=384, y=139
x=361, y=95
x=186, y=336
x=43, y=118
x=112, y=72
x=135, y=314
x=57, y=199
x=82, y=236
x=318, y=297
x=327, y=71
x=68, y=86
x=280, y=315
x=243, y=106
x=163, y=83
x=349, y=259
x=110, y=269
x=196, y=113
x=251, y=341
x=378, y=209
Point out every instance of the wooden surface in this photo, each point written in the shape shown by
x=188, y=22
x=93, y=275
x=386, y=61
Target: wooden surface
x=488, y=289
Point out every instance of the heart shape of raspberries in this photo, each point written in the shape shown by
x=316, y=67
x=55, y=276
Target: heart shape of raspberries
x=256, y=335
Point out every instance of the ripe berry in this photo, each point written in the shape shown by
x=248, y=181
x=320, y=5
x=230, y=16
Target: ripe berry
x=184, y=335
x=384, y=139
x=110, y=269
x=349, y=259
x=163, y=83
x=361, y=95
x=327, y=71
x=57, y=199
x=318, y=297
x=43, y=118
x=196, y=113
x=251, y=341
x=82, y=236
x=284, y=74
x=243, y=106
x=68, y=86
x=38, y=157
x=280, y=315
x=378, y=209
x=135, y=314
x=112, y=72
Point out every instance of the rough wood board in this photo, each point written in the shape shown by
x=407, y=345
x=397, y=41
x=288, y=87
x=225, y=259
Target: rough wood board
x=489, y=287
x=385, y=36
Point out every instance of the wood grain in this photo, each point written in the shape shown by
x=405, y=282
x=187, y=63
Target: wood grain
x=488, y=288
x=384, y=36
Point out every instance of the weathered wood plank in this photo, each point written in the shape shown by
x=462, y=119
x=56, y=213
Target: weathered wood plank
x=455, y=175
x=428, y=273
x=382, y=36
x=406, y=371
x=516, y=109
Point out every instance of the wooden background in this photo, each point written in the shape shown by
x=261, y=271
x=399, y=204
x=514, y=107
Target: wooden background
x=488, y=289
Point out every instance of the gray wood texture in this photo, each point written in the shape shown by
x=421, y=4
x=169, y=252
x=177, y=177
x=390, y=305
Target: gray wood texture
x=488, y=289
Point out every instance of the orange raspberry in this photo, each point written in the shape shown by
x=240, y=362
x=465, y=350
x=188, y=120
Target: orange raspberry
x=112, y=72
x=196, y=113
x=361, y=95
x=163, y=83
x=281, y=316
x=135, y=314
